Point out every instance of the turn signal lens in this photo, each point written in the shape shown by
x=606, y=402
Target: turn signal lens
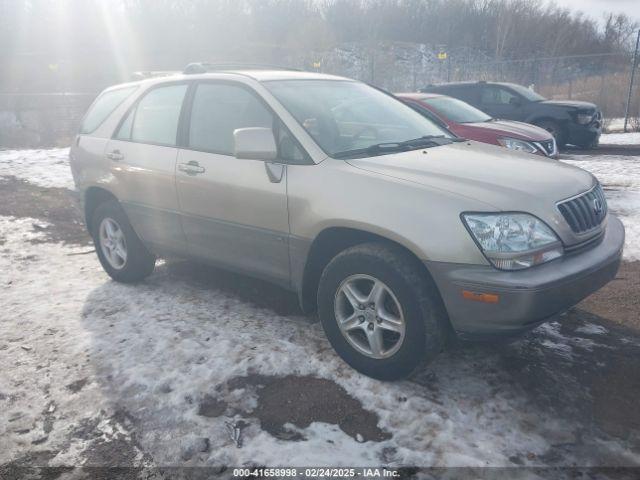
x=480, y=297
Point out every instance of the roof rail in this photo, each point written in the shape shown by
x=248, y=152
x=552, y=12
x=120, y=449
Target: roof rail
x=206, y=67
x=152, y=74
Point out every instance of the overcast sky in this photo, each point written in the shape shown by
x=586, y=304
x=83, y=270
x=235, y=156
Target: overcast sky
x=596, y=8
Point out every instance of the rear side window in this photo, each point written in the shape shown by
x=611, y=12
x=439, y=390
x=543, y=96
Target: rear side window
x=219, y=109
x=103, y=107
x=155, y=118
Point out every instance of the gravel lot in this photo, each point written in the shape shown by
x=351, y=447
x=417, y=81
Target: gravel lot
x=198, y=367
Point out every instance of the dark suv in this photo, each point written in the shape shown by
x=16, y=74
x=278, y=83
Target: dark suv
x=569, y=121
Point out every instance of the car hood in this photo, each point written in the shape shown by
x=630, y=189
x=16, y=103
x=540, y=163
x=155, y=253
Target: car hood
x=493, y=178
x=513, y=129
x=570, y=104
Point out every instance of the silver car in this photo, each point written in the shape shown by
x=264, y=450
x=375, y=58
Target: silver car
x=397, y=232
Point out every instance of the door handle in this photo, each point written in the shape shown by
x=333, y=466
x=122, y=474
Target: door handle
x=191, y=168
x=115, y=155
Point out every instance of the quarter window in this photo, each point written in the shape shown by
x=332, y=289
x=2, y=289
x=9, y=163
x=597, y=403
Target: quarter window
x=103, y=107
x=156, y=117
x=218, y=110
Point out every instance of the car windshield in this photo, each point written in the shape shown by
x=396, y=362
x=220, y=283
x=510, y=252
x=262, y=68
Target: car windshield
x=527, y=93
x=456, y=110
x=349, y=119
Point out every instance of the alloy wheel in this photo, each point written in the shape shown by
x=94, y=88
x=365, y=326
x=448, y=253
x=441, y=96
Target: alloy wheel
x=112, y=243
x=369, y=316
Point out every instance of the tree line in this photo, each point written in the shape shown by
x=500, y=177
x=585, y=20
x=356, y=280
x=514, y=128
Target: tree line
x=92, y=37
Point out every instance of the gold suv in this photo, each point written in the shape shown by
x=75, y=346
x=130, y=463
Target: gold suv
x=398, y=232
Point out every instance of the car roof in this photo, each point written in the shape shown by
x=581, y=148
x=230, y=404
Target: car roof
x=260, y=75
x=419, y=96
x=468, y=83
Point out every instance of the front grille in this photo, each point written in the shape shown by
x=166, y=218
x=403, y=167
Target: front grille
x=548, y=146
x=597, y=119
x=584, y=246
x=586, y=211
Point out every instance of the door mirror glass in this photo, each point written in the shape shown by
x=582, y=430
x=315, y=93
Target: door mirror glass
x=255, y=143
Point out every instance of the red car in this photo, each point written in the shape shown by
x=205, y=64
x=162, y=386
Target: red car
x=468, y=122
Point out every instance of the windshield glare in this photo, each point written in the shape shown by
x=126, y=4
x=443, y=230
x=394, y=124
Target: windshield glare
x=345, y=115
x=456, y=110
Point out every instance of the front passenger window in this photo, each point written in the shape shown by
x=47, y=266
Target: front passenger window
x=497, y=96
x=218, y=110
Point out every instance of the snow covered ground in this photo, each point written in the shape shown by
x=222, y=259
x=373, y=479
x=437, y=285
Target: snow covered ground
x=630, y=138
x=617, y=124
x=133, y=364
x=620, y=177
x=96, y=372
x=47, y=168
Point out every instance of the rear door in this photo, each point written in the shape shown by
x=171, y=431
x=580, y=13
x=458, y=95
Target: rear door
x=234, y=212
x=143, y=155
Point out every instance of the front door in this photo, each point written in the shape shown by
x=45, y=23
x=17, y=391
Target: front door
x=501, y=102
x=234, y=212
x=143, y=155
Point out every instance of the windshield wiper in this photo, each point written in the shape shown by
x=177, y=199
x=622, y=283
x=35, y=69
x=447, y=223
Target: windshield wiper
x=391, y=147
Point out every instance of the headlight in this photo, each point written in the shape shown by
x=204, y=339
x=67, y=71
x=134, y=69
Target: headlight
x=584, y=118
x=520, y=145
x=513, y=241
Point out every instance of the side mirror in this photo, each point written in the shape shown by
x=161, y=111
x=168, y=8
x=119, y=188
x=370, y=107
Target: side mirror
x=516, y=102
x=255, y=143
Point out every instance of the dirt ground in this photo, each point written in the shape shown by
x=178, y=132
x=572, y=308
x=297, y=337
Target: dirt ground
x=591, y=383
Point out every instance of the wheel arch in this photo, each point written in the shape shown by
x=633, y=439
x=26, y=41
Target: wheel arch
x=93, y=197
x=333, y=240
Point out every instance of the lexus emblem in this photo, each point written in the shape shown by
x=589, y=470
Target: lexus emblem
x=597, y=207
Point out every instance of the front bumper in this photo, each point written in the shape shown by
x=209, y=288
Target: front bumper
x=528, y=297
x=585, y=134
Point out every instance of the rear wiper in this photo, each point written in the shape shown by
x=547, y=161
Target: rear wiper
x=390, y=147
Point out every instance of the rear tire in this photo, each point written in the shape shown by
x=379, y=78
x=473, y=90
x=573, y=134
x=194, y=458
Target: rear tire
x=120, y=251
x=555, y=129
x=410, y=297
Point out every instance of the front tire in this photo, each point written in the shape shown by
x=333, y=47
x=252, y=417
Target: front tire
x=590, y=145
x=380, y=312
x=120, y=251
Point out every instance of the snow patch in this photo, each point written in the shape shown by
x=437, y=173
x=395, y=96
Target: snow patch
x=562, y=349
x=46, y=168
x=620, y=177
x=592, y=329
x=630, y=138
